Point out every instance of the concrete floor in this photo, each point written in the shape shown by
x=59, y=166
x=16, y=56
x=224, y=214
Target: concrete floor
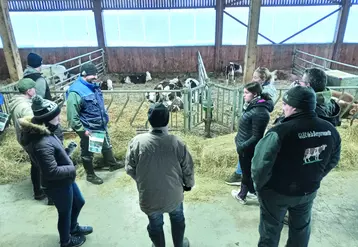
x=112, y=209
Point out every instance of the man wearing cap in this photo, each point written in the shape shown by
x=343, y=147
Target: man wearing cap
x=57, y=169
x=288, y=166
x=163, y=169
x=20, y=106
x=33, y=71
x=85, y=113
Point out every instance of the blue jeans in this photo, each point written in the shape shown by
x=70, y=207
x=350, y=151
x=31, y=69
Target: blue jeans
x=68, y=202
x=155, y=227
x=273, y=207
x=238, y=169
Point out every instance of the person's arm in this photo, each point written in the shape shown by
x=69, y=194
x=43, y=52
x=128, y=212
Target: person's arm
x=335, y=157
x=187, y=165
x=40, y=86
x=260, y=121
x=45, y=156
x=131, y=160
x=73, y=112
x=264, y=158
x=26, y=110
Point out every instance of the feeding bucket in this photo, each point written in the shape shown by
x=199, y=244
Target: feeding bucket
x=96, y=140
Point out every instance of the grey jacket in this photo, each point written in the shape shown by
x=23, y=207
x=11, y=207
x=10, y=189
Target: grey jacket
x=161, y=165
x=41, y=82
x=20, y=106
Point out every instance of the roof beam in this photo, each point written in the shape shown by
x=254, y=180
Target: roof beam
x=251, y=40
x=98, y=18
x=11, y=50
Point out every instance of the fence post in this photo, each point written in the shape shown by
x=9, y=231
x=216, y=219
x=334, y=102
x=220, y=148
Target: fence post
x=233, y=114
x=240, y=104
x=208, y=113
x=186, y=111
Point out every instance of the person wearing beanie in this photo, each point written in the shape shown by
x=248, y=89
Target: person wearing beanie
x=33, y=71
x=86, y=113
x=57, y=170
x=288, y=165
x=163, y=169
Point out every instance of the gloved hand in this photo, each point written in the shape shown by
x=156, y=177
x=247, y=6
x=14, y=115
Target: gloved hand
x=186, y=188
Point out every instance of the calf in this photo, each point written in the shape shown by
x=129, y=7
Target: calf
x=196, y=95
x=231, y=69
x=59, y=73
x=137, y=79
x=107, y=85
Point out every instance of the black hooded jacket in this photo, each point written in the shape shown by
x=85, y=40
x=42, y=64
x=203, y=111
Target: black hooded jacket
x=252, y=125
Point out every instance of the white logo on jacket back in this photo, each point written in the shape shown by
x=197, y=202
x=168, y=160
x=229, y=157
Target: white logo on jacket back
x=313, y=152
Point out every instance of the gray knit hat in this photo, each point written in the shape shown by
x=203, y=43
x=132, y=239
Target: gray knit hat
x=303, y=98
x=44, y=110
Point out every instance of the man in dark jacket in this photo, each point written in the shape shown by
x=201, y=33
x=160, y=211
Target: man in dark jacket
x=288, y=166
x=33, y=71
x=57, y=169
x=86, y=113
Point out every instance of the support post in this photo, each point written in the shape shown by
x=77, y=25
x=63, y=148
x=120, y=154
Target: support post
x=251, y=40
x=98, y=18
x=218, y=33
x=340, y=28
x=11, y=51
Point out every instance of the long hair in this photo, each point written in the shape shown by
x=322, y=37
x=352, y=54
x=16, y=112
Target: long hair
x=264, y=74
x=256, y=88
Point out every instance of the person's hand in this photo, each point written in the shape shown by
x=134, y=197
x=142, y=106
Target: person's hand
x=87, y=133
x=186, y=188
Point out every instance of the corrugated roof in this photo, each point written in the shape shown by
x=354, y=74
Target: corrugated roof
x=56, y=5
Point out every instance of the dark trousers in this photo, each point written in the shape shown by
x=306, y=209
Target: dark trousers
x=85, y=143
x=247, y=184
x=68, y=202
x=273, y=207
x=155, y=227
x=36, y=179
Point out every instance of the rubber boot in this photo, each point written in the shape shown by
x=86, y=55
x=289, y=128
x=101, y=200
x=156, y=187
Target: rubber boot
x=91, y=176
x=110, y=161
x=178, y=229
x=158, y=239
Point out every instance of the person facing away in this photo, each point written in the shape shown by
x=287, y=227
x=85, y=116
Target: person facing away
x=163, y=169
x=288, y=165
x=86, y=113
x=264, y=77
x=33, y=71
x=252, y=126
x=57, y=169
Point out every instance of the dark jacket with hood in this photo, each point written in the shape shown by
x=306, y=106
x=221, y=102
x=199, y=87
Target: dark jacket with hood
x=295, y=155
x=327, y=108
x=252, y=125
x=47, y=151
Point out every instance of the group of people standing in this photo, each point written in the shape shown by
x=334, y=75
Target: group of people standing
x=283, y=168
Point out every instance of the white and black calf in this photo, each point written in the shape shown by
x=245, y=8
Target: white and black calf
x=54, y=73
x=231, y=70
x=137, y=78
x=193, y=83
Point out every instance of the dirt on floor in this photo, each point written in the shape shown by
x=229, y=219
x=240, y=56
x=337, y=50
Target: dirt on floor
x=219, y=221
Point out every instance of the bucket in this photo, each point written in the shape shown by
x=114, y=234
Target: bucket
x=96, y=140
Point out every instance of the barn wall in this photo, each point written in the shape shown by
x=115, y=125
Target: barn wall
x=184, y=59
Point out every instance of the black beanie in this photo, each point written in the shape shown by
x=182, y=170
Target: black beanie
x=158, y=115
x=88, y=69
x=303, y=98
x=34, y=60
x=44, y=110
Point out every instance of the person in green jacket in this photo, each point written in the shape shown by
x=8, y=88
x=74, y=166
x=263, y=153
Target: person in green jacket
x=86, y=113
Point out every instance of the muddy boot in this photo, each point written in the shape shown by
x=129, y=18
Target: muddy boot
x=91, y=176
x=109, y=160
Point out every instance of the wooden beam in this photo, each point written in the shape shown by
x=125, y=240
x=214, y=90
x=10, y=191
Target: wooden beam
x=251, y=40
x=218, y=33
x=98, y=18
x=340, y=28
x=12, y=56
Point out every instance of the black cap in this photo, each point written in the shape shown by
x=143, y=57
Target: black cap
x=88, y=69
x=34, y=60
x=303, y=98
x=158, y=115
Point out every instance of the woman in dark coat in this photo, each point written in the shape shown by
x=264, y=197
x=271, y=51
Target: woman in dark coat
x=252, y=126
x=57, y=170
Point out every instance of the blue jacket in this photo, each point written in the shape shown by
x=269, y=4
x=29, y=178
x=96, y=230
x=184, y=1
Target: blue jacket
x=86, y=105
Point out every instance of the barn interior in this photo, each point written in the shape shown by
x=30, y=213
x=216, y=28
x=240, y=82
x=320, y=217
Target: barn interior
x=183, y=39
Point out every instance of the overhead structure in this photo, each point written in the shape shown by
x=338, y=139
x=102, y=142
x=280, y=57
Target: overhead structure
x=251, y=40
x=11, y=51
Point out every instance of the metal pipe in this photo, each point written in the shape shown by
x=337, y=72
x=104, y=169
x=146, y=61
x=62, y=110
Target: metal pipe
x=314, y=23
x=68, y=60
x=263, y=36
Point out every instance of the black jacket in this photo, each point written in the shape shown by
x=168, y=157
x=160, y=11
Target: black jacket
x=295, y=155
x=47, y=151
x=252, y=125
